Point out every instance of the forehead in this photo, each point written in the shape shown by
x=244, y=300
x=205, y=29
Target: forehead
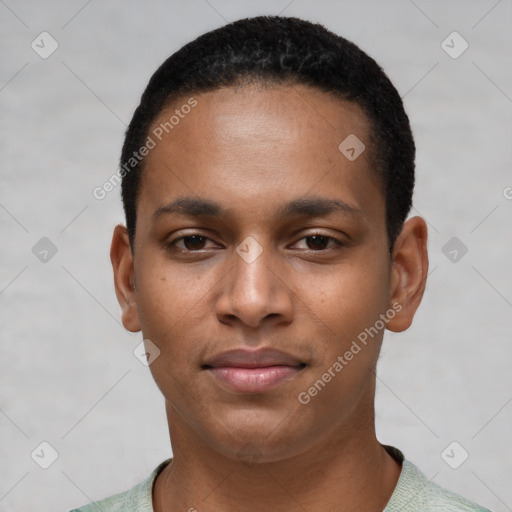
x=268, y=112
x=258, y=143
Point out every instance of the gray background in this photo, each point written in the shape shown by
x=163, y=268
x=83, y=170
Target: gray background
x=69, y=376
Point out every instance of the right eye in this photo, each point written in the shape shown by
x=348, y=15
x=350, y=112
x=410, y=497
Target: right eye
x=189, y=243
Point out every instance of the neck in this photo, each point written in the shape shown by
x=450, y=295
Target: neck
x=349, y=472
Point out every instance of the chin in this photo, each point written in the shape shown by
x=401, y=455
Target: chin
x=260, y=442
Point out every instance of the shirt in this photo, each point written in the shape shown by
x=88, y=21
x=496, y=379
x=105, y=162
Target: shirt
x=413, y=493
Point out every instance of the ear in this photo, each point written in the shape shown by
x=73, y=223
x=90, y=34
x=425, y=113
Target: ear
x=124, y=278
x=408, y=273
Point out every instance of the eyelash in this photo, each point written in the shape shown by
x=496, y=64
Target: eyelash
x=337, y=243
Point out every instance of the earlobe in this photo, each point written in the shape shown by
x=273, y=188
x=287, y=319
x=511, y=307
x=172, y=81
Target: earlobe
x=122, y=264
x=408, y=273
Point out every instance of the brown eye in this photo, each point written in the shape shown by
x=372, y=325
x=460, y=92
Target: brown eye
x=194, y=242
x=317, y=242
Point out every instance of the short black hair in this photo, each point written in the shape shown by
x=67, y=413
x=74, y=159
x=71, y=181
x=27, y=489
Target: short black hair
x=274, y=49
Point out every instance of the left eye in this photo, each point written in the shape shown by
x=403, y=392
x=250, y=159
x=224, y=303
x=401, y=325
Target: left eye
x=320, y=242
x=192, y=242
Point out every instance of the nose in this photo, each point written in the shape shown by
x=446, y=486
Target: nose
x=253, y=292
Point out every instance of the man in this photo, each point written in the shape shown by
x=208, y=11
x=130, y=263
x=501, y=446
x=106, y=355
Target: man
x=267, y=175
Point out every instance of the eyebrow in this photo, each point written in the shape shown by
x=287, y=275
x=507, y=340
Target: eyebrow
x=306, y=207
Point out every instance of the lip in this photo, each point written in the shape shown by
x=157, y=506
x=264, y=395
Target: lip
x=246, y=371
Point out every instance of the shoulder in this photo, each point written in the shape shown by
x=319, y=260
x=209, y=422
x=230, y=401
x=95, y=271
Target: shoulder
x=442, y=500
x=136, y=499
x=115, y=503
x=414, y=492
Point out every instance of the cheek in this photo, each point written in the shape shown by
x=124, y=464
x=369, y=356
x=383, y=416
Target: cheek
x=167, y=295
x=349, y=332
x=175, y=314
x=348, y=298
x=171, y=312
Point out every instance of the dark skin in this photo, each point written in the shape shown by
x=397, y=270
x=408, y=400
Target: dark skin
x=324, y=275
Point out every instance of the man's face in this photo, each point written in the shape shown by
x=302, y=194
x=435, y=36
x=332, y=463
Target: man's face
x=291, y=256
